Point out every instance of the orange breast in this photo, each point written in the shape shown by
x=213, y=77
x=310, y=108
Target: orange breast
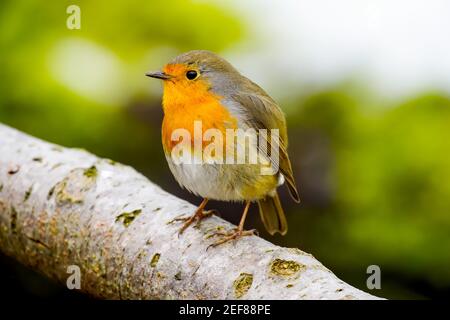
x=184, y=104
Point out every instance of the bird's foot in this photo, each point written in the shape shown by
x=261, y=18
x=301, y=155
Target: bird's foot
x=234, y=235
x=199, y=216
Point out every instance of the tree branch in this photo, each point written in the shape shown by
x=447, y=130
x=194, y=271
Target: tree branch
x=61, y=207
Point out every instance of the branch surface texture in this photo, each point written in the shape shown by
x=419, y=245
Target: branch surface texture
x=62, y=207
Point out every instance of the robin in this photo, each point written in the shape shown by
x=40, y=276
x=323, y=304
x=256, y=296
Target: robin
x=200, y=86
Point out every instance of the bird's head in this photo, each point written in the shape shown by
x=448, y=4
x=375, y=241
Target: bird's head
x=195, y=72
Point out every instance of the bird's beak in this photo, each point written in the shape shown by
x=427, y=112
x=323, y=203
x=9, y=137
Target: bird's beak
x=158, y=75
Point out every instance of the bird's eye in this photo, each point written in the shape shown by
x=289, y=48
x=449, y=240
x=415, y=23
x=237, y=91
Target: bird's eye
x=191, y=74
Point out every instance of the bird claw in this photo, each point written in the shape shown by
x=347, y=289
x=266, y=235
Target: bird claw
x=197, y=216
x=229, y=236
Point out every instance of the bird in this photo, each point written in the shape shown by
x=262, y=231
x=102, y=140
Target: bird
x=200, y=86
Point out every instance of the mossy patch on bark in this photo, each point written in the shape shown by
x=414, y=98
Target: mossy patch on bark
x=73, y=188
x=242, y=284
x=92, y=172
x=128, y=217
x=285, y=268
x=62, y=196
x=155, y=260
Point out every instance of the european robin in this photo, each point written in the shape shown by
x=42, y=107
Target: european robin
x=200, y=86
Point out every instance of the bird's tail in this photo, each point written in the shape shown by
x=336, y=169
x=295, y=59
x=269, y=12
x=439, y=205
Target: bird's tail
x=272, y=215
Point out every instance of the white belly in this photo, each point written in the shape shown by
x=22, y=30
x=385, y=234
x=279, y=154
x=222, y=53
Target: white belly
x=223, y=182
x=206, y=180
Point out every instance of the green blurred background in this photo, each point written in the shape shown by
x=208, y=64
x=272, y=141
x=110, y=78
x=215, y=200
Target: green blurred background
x=373, y=169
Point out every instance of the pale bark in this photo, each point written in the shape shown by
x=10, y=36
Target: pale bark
x=61, y=207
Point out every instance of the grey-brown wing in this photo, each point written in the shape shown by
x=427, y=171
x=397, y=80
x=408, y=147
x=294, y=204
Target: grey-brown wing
x=263, y=113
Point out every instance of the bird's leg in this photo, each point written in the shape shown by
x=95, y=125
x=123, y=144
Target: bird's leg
x=238, y=232
x=199, y=215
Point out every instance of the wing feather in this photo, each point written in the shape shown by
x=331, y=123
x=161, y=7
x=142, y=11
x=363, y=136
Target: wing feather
x=262, y=112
